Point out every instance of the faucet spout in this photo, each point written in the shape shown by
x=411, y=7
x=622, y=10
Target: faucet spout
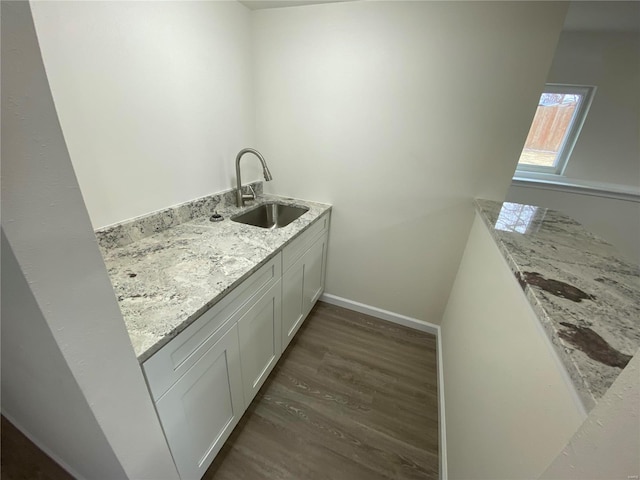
x=240, y=198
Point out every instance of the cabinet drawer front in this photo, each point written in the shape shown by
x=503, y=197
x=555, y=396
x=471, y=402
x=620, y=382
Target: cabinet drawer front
x=171, y=362
x=299, y=245
x=199, y=412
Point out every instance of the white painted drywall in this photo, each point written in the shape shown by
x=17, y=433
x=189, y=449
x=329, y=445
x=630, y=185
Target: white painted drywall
x=66, y=355
x=608, y=149
x=399, y=113
x=510, y=408
x=615, y=220
x=607, y=445
x=39, y=392
x=155, y=99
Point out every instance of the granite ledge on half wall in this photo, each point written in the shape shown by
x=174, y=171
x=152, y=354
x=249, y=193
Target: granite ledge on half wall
x=584, y=292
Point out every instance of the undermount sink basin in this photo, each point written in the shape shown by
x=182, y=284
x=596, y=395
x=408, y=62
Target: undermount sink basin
x=271, y=215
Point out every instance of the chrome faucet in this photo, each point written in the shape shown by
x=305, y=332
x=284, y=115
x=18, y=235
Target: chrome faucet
x=240, y=198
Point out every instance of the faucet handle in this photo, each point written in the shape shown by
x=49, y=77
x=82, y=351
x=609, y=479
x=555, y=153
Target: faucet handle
x=247, y=196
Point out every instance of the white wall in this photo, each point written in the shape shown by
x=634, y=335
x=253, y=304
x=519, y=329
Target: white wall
x=399, y=113
x=155, y=99
x=39, y=393
x=608, y=149
x=607, y=445
x=510, y=407
x=70, y=377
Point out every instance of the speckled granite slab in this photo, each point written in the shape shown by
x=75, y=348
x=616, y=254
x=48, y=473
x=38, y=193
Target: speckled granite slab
x=164, y=281
x=586, y=295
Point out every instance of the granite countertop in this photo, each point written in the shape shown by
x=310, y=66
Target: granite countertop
x=586, y=295
x=166, y=280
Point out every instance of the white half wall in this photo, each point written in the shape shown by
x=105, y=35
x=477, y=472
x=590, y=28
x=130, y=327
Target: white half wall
x=155, y=99
x=607, y=445
x=70, y=377
x=510, y=404
x=399, y=114
x=39, y=392
x=615, y=220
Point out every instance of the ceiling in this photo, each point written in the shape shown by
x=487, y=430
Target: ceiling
x=262, y=4
x=605, y=15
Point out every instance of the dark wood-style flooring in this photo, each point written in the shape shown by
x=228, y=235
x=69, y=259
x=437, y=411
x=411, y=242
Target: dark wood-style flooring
x=352, y=397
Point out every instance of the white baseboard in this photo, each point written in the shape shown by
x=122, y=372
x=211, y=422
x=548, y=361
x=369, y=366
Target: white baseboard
x=379, y=313
x=418, y=325
x=442, y=429
x=44, y=448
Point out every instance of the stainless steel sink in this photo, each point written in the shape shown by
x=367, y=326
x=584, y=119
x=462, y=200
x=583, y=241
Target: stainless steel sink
x=270, y=215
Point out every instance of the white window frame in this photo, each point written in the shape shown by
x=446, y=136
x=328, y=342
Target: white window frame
x=570, y=139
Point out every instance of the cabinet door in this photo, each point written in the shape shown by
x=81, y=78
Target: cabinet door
x=260, y=340
x=315, y=263
x=293, y=306
x=200, y=410
x=302, y=285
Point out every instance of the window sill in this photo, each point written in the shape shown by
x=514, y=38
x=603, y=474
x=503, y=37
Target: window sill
x=547, y=181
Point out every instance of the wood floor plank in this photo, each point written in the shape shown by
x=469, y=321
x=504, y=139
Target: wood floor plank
x=353, y=397
x=351, y=434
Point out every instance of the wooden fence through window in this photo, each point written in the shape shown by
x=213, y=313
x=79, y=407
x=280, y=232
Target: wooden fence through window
x=549, y=127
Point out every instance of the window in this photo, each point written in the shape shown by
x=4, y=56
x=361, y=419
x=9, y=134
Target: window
x=556, y=125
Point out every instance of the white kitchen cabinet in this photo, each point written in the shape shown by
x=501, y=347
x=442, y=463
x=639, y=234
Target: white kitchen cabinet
x=203, y=380
x=302, y=285
x=200, y=410
x=196, y=380
x=167, y=365
x=260, y=340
